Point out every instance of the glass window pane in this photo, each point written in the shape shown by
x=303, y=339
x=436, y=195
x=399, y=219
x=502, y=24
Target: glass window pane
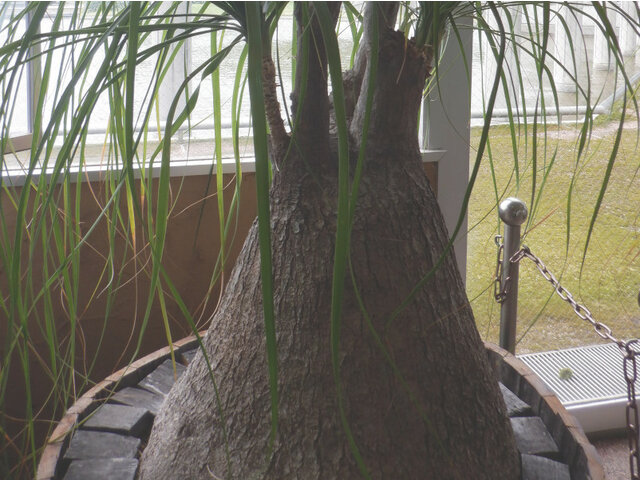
x=14, y=84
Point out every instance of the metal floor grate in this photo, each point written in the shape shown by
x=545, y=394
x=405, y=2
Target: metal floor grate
x=595, y=373
x=595, y=393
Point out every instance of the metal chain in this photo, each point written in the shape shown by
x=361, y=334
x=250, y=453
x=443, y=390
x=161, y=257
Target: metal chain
x=581, y=311
x=632, y=409
x=629, y=365
x=499, y=291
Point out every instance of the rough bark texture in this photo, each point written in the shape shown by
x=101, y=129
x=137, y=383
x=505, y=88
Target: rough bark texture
x=451, y=426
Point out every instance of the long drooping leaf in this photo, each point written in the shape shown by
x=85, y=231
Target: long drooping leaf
x=613, y=42
x=258, y=115
x=50, y=207
x=343, y=230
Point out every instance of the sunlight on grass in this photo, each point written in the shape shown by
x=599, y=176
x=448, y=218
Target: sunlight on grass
x=609, y=281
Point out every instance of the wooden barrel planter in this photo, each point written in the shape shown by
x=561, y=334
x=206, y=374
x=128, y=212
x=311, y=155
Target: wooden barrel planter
x=574, y=449
x=140, y=389
x=104, y=431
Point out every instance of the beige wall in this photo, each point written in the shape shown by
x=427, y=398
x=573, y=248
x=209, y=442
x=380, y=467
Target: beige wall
x=189, y=261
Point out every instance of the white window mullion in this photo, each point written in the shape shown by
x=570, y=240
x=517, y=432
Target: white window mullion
x=447, y=133
x=34, y=85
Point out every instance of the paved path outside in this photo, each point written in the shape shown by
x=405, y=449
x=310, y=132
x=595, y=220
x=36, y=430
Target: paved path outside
x=615, y=457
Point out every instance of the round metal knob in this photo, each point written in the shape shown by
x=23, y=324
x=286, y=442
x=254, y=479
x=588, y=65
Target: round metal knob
x=513, y=211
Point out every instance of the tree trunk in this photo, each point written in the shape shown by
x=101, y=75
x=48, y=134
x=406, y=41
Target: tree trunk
x=431, y=409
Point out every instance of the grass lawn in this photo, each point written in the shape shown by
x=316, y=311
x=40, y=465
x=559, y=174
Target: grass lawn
x=608, y=280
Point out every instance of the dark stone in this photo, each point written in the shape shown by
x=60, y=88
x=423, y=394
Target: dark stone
x=532, y=437
x=509, y=377
x=87, y=444
x=167, y=366
x=124, y=419
x=515, y=406
x=580, y=466
x=137, y=397
x=571, y=452
x=103, y=469
x=528, y=394
x=189, y=355
x=159, y=381
x=540, y=468
x=552, y=421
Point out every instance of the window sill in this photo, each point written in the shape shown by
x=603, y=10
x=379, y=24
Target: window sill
x=16, y=177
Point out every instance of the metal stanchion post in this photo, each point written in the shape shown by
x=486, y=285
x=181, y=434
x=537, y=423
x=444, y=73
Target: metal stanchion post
x=513, y=213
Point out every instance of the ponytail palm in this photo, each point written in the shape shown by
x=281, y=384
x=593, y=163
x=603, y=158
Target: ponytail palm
x=343, y=345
